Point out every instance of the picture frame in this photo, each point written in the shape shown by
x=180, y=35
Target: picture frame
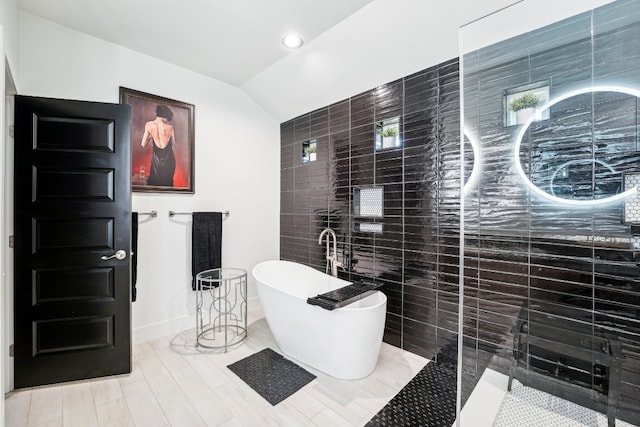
x=162, y=143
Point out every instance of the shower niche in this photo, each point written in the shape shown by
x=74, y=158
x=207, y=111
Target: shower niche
x=309, y=151
x=520, y=103
x=368, y=204
x=388, y=134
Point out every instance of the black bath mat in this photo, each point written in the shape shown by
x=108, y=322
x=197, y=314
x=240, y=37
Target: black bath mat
x=429, y=399
x=271, y=375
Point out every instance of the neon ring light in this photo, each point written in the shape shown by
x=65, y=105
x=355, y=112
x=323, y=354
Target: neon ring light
x=538, y=116
x=576, y=162
x=476, y=162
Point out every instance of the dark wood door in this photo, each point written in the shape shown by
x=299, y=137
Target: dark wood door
x=72, y=213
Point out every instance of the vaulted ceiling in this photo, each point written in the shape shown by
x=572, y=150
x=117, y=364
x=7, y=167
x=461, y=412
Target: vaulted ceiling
x=228, y=40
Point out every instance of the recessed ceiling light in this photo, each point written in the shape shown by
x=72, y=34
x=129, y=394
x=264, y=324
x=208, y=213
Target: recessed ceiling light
x=292, y=41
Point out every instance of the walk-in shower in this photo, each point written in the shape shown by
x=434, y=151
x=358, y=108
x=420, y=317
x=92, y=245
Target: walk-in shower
x=551, y=235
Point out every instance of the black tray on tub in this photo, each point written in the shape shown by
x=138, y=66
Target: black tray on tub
x=345, y=295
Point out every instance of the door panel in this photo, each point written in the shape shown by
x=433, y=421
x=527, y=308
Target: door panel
x=72, y=209
x=84, y=135
x=52, y=235
x=72, y=285
x=56, y=184
x=61, y=335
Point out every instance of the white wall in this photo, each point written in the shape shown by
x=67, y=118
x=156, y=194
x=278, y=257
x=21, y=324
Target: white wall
x=9, y=23
x=9, y=61
x=3, y=342
x=237, y=162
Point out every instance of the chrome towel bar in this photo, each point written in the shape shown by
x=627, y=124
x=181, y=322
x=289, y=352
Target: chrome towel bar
x=152, y=214
x=172, y=213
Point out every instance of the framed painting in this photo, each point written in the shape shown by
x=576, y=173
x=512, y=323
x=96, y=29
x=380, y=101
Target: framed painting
x=162, y=143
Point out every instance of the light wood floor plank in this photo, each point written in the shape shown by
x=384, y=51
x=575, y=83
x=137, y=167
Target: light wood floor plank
x=142, y=350
x=46, y=405
x=135, y=375
x=143, y=405
x=338, y=403
x=205, y=401
x=157, y=375
x=287, y=415
x=173, y=383
x=244, y=406
x=78, y=405
x=115, y=413
x=177, y=365
x=106, y=390
x=305, y=403
x=16, y=408
x=179, y=410
x=327, y=417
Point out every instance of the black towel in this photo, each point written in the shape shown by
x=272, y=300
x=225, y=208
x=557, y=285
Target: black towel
x=206, y=243
x=134, y=254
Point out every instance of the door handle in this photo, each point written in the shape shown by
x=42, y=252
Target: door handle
x=119, y=255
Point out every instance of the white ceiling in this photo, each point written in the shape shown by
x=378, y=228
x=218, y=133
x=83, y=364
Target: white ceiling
x=351, y=45
x=228, y=40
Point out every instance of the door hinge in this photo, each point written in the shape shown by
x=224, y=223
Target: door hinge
x=11, y=241
x=11, y=350
x=12, y=131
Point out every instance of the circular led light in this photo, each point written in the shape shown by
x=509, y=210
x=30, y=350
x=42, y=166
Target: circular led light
x=292, y=41
x=538, y=116
x=475, y=172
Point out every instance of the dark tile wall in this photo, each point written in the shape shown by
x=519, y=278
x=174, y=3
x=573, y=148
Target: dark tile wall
x=526, y=255
x=416, y=256
x=522, y=253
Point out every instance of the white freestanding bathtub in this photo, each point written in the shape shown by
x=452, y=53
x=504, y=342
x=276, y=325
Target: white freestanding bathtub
x=344, y=342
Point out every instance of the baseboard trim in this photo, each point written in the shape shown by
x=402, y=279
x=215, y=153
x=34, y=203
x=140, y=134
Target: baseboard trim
x=176, y=325
x=162, y=329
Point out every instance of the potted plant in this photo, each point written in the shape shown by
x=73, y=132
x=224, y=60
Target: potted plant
x=389, y=136
x=310, y=152
x=524, y=106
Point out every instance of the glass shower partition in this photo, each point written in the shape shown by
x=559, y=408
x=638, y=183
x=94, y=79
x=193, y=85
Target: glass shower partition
x=550, y=229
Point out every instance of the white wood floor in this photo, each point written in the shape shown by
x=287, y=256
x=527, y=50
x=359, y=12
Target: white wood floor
x=172, y=384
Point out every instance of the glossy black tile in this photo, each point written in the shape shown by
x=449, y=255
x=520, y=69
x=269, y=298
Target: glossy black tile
x=339, y=117
x=629, y=309
x=447, y=345
x=362, y=141
x=318, y=202
x=287, y=132
x=302, y=128
x=451, y=66
x=286, y=202
x=286, y=179
x=339, y=145
x=362, y=109
x=362, y=170
x=319, y=122
x=287, y=156
x=393, y=330
x=286, y=224
x=426, y=75
x=526, y=253
x=419, y=334
x=393, y=291
x=421, y=90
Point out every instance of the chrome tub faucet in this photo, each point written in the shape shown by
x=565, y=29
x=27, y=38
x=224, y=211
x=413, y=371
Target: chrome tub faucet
x=332, y=259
